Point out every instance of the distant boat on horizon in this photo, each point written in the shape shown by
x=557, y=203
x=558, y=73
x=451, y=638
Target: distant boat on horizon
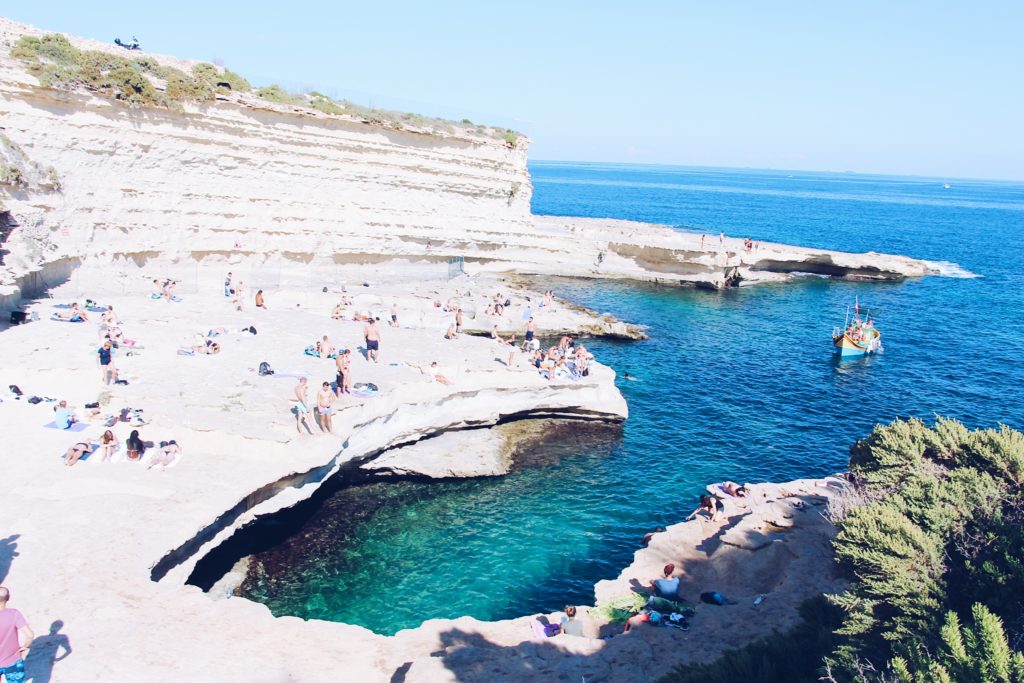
x=946, y=186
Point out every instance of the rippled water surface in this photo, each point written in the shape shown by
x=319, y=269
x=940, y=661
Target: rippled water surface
x=736, y=384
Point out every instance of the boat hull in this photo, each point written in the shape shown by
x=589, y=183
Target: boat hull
x=846, y=347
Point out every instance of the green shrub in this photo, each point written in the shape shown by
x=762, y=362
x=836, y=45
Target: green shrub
x=11, y=174
x=237, y=83
x=510, y=138
x=57, y=49
x=183, y=88
x=275, y=93
x=977, y=654
x=326, y=105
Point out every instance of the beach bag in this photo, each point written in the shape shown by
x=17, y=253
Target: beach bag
x=265, y=369
x=15, y=389
x=714, y=598
x=17, y=317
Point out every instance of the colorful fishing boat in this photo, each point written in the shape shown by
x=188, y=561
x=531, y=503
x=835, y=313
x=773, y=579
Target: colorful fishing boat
x=858, y=336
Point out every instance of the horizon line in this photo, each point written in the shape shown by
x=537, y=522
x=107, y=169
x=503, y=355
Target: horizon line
x=1017, y=181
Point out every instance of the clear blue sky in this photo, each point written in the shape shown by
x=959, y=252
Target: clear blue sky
x=905, y=87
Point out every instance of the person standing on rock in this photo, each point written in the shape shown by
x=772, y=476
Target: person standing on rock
x=371, y=333
x=15, y=640
x=324, y=400
x=341, y=363
x=531, y=329
x=458, y=321
x=394, y=314
x=105, y=359
x=302, y=409
x=227, y=286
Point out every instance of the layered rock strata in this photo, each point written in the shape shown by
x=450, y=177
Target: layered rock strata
x=283, y=188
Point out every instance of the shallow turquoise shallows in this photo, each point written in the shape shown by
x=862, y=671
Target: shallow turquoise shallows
x=736, y=384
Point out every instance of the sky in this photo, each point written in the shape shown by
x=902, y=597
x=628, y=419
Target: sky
x=907, y=88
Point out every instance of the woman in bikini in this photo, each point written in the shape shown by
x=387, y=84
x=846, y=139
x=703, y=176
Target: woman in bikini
x=136, y=447
x=109, y=443
x=76, y=452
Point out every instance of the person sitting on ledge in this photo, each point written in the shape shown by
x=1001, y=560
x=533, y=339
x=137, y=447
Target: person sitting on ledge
x=569, y=623
x=707, y=504
x=666, y=587
x=260, y=303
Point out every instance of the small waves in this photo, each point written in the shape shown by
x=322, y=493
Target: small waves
x=950, y=269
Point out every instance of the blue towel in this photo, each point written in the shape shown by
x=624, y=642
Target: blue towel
x=62, y=320
x=75, y=426
x=95, y=309
x=62, y=305
x=85, y=456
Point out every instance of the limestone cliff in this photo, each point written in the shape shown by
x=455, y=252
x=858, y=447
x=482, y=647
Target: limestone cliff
x=287, y=192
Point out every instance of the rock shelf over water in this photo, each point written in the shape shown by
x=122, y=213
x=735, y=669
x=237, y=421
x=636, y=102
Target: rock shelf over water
x=305, y=205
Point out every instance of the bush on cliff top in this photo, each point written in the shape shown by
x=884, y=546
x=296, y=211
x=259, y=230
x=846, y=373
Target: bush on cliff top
x=59, y=64
x=937, y=541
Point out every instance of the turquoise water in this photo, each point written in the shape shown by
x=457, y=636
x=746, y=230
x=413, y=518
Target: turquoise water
x=736, y=384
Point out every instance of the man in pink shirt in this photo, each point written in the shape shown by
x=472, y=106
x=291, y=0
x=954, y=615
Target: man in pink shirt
x=15, y=639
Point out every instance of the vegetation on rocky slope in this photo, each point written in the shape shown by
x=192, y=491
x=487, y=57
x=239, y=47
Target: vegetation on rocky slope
x=141, y=81
x=932, y=544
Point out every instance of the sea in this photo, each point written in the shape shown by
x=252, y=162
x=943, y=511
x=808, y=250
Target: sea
x=738, y=384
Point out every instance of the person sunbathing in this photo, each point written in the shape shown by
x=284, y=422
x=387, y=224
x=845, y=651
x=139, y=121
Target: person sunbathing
x=324, y=348
x=168, y=453
x=337, y=312
x=734, y=489
x=136, y=446
x=76, y=452
x=109, y=444
x=438, y=375
x=74, y=314
x=707, y=504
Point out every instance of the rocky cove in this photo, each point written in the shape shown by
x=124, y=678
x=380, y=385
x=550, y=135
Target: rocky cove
x=310, y=207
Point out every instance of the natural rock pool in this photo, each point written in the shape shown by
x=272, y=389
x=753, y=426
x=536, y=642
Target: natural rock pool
x=736, y=384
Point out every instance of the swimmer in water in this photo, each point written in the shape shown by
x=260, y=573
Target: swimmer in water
x=626, y=375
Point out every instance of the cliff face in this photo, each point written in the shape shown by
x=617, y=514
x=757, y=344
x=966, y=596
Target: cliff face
x=287, y=193
x=242, y=176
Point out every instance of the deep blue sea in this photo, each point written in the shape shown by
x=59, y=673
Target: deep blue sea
x=736, y=384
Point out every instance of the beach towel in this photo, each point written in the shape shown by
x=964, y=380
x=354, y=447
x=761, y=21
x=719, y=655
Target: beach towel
x=85, y=456
x=95, y=309
x=147, y=457
x=62, y=305
x=311, y=351
x=75, y=426
x=118, y=455
x=291, y=375
x=64, y=320
x=542, y=631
